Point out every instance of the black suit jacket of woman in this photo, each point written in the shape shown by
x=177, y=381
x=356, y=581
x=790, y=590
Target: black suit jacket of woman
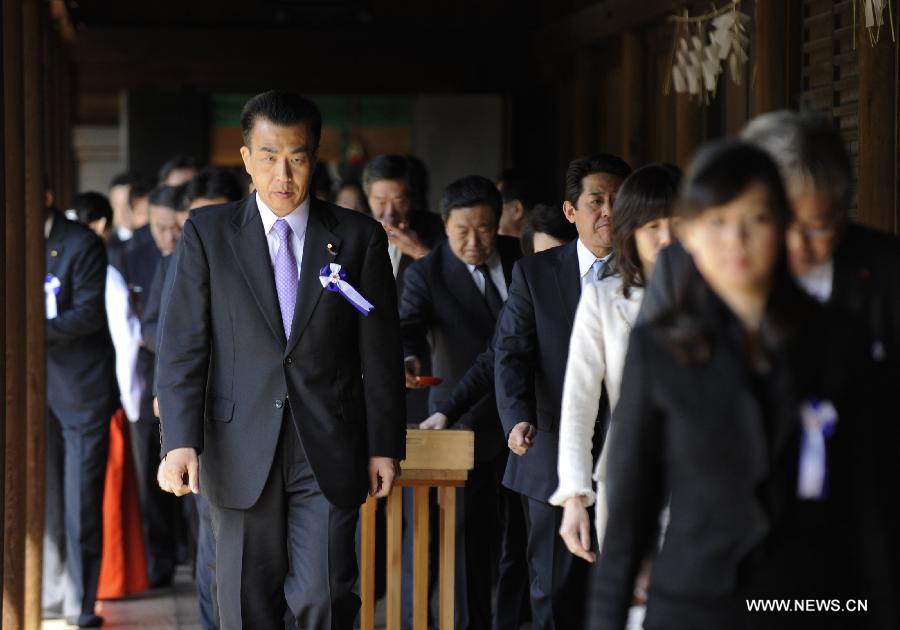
x=226, y=371
x=700, y=436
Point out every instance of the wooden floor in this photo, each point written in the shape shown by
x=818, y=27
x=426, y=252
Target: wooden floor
x=161, y=609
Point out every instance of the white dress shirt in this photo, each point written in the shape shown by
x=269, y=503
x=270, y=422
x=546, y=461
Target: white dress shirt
x=818, y=282
x=495, y=267
x=395, y=255
x=597, y=350
x=125, y=330
x=48, y=225
x=297, y=219
x=586, y=260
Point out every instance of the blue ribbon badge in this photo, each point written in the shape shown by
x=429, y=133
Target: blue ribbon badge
x=51, y=290
x=334, y=279
x=819, y=418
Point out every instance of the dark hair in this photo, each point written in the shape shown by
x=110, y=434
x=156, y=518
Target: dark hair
x=393, y=167
x=808, y=151
x=598, y=163
x=282, y=108
x=720, y=173
x=91, y=206
x=646, y=195
x=546, y=219
x=140, y=187
x=127, y=178
x=471, y=191
x=168, y=197
x=173, y=164
x=212, y=182
x=517, y=185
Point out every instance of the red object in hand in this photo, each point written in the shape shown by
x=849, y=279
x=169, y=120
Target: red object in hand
x=429, y=380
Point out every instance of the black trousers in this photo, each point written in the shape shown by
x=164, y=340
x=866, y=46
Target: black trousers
x=73, y=520
x=558, y=578
x=290, y=560
x=160, y=510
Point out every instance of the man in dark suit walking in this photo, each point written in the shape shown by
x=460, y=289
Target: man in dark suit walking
x=292, y=397
x=531, y=349
x=82, y=395
x=454, y=295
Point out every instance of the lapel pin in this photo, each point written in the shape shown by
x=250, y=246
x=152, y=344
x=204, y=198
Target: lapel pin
x=54, y=253
x=331, y=249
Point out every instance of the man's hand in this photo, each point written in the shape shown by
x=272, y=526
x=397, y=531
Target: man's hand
x=383, y=472
x=521, y=438
x=178, y=463
x=434, y=421
x=406, y=241
x=413, y=369
x=576, y=529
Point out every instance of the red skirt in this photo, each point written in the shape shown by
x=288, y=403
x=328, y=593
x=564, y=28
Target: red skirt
x=123, y=570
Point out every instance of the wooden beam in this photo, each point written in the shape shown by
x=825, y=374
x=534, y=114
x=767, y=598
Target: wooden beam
x=3, y=206
x=598, y=21
x=14, y=298
x=34, y=22
x=110, y=59
x=878, y=129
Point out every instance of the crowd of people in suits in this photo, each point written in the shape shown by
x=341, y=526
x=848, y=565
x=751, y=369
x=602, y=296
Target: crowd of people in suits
x=680, y=387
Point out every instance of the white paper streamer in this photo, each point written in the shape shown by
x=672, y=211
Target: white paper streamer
x=819, y=419
x=51, y=289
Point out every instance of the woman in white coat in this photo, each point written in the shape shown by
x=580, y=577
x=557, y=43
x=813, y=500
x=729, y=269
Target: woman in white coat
x=603, y=322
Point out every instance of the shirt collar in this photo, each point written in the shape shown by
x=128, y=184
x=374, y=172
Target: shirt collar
x=48, y=226
x=297, y=219
x=492, y=262
x=586, y=258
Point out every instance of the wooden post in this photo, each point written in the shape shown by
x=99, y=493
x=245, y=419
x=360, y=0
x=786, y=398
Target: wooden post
x=878, y=128
x=394, y=556
x=633, y=121
x=35, y=322
x=420, y=558
x=447, y=502
x=14, y=299
x=689, y=128
x=771, y=48
x=367, y=564
x=3, y=206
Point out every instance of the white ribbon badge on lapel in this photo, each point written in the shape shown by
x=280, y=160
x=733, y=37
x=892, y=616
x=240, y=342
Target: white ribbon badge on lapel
x=819, y=418
x=51, y=290
x=334, y=279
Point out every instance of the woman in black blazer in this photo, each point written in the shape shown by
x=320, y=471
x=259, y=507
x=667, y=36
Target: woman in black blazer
x=747, y=411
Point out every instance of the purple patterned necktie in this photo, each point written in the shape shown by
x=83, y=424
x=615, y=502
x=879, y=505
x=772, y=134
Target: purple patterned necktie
x=285, y=275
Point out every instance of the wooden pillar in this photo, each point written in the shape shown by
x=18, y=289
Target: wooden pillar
x=689, y=128
x=879, y=124
x=394, y=558
x=772, y=52
x=14, y=300
x=367, y=564
x=420, y=558
x=34, y=20
x=633, y=121
x=584, y=105
x=3, y=206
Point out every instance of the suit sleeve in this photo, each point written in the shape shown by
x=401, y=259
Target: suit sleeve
x=634, y=487
x=475, y=384
x=582, y=390
x=87, y=314
x=150, y=322
x=184, y=347
x=416, y=309
x=515, y=355
x=381, y=351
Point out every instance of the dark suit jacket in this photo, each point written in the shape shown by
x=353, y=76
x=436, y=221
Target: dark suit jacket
x=226, y=371
x=531, y=350
x=153, y=304
x=722, y=446
x=81, y=361
x=442, y=302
